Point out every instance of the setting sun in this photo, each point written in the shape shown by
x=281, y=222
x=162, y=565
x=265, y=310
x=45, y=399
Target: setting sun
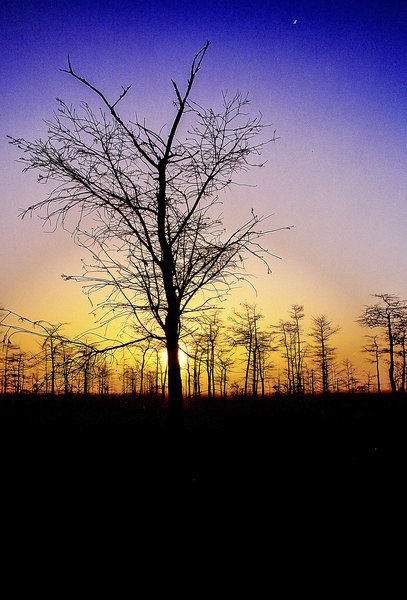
x=183, y=358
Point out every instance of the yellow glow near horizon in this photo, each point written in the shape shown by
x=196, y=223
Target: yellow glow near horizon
x=183, y=358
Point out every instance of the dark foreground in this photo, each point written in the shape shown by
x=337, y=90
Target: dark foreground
x=297, y=460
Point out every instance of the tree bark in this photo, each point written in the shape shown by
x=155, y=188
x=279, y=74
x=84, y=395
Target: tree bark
x=175, y=400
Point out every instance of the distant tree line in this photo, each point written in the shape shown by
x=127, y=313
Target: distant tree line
x=244, y=356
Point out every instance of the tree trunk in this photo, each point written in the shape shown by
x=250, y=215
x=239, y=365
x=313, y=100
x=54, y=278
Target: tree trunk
x=324, y=368
x=403, y=372
x=249, y=356
x=391, y=356
x=379, y=391
x=175, y=400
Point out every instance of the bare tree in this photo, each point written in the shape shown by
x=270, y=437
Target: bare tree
x=374, y=349
x=8, y=348
x=390, y=314
x=210, y=334
x=225, y=361
x=211, y=346
x=321, y=332
x=248, y=334
x=195, y=359
x=102, y=375
x=51, y=349
x=285, y=342
x=294, y=350
x=144, y=204
x=15, y=367
x=129, y=379
x=401, y=340
x=349, y=376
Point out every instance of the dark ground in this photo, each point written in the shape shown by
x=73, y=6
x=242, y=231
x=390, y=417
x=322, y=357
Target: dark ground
x=232, y=444
x=337, y=464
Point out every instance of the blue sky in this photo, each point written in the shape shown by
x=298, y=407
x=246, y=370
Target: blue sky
x=330, y=77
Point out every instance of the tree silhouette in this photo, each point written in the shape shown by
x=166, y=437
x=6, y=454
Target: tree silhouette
x=321, y=332
x=401, y=339
x=374, y=349
x=349, y=376
x=145, y=207
x=211, y=327
x=248, y=334
x=390, y=314
x=294, y=350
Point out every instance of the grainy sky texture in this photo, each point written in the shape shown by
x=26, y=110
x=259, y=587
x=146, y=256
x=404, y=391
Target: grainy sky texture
x=331, y=77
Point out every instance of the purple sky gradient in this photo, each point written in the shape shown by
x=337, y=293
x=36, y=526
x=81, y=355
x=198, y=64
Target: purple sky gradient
x=330, y=77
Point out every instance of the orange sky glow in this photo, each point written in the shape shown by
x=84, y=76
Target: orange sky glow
x=331, y=80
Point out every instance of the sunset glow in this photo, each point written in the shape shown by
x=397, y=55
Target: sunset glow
x=330, y=79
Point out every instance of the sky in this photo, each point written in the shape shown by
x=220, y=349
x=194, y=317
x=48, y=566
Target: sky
x=330, y=77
